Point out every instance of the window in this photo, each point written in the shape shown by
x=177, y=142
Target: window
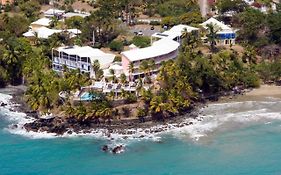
x=73, y=57
x=64, y=55
x=226, y=41
x=84, y=59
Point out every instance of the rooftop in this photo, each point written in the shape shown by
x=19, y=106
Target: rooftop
x=42, y=22
x=52, y=12
x=44, y=32
x=158, y=48
x=220, y=25
x=86, y=51
x=72, y=14
x=175, y=31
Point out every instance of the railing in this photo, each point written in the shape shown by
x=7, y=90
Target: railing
x=72, y=64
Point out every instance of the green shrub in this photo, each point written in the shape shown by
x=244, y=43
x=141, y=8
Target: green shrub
x=154, y=23
x=117, y=59
x=130, y=98
x=251, y=80
x=141, y=112
x=116, y=46
x=141, y=41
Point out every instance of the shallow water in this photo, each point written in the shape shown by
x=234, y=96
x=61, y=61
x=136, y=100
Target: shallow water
x=234, y=138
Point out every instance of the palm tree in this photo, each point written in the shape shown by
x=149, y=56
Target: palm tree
x=123, y=78
x=144, y=67
x=81, y=113
x=212, y=36
x=146, y=95
x=96, y=68
x=112, y=73
x=105, y=113
x=249, y=55
x=69, y=109
x=152, y=65
x=139, y=86
x=131, y=70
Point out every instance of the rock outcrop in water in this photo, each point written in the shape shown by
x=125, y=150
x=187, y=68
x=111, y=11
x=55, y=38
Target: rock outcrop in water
x=3, y=104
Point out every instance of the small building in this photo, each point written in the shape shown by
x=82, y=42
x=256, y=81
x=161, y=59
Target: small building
x=45, y=33
x=174, y=33
x=161, y=50
x=42, y=22
x=76, y=57
x=72, y=14
x=116, y=67
x=54, y=13
x=225, y=34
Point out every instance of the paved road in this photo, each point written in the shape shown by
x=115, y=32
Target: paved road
x=203, y=7
x=146, y=29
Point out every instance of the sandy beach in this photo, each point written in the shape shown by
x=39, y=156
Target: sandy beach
x=266, y=90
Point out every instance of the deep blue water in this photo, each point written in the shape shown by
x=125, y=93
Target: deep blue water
x=252, y=149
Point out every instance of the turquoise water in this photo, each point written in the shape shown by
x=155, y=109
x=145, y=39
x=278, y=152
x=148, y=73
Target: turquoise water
x=250, y=148
x=87, y=96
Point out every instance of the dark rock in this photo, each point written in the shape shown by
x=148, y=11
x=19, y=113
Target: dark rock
x=3, y=104
x=105, y=148
x=86, y=131
x=14, y=126
x=117, y=149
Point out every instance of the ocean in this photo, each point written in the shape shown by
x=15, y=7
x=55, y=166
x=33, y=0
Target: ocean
x=237, y=137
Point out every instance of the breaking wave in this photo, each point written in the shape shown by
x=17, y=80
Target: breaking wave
x=211, y=118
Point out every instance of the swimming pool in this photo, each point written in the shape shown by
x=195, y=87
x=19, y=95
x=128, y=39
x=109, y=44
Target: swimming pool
x=87, y=96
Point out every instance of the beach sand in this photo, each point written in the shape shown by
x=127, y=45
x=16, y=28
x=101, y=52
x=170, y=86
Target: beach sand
x=261, y=93
x=266, y=90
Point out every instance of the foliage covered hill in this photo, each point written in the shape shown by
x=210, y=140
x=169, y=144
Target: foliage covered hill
x=180, y=82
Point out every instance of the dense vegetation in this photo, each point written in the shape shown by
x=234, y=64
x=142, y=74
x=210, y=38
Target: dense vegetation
x=180, y=83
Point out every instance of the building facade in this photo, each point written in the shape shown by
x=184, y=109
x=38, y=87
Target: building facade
x=225, y=35
x=76, y=57
x=159, y=51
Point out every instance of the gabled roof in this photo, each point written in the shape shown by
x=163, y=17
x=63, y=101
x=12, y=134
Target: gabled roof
x=52, y=12
x=72, y=14
x=158, y=48
x=175, y=31
x=213, y=21
x=42, y=22
x=30, y=33
x=44, y=32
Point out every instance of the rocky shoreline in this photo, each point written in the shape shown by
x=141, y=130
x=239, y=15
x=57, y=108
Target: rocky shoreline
x=61, y=126
x=67, y=126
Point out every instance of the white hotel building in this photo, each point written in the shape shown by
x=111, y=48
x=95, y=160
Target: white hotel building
x=164, y=47
x=76, y=57
x=159, y=51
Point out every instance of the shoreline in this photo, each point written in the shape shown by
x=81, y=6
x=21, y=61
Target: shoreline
x=60, y=127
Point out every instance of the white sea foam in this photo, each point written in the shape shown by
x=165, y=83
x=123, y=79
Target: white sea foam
x=5, y=98
x=229, y=113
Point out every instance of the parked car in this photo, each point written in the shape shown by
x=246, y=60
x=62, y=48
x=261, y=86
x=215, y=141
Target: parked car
x=140, y=33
